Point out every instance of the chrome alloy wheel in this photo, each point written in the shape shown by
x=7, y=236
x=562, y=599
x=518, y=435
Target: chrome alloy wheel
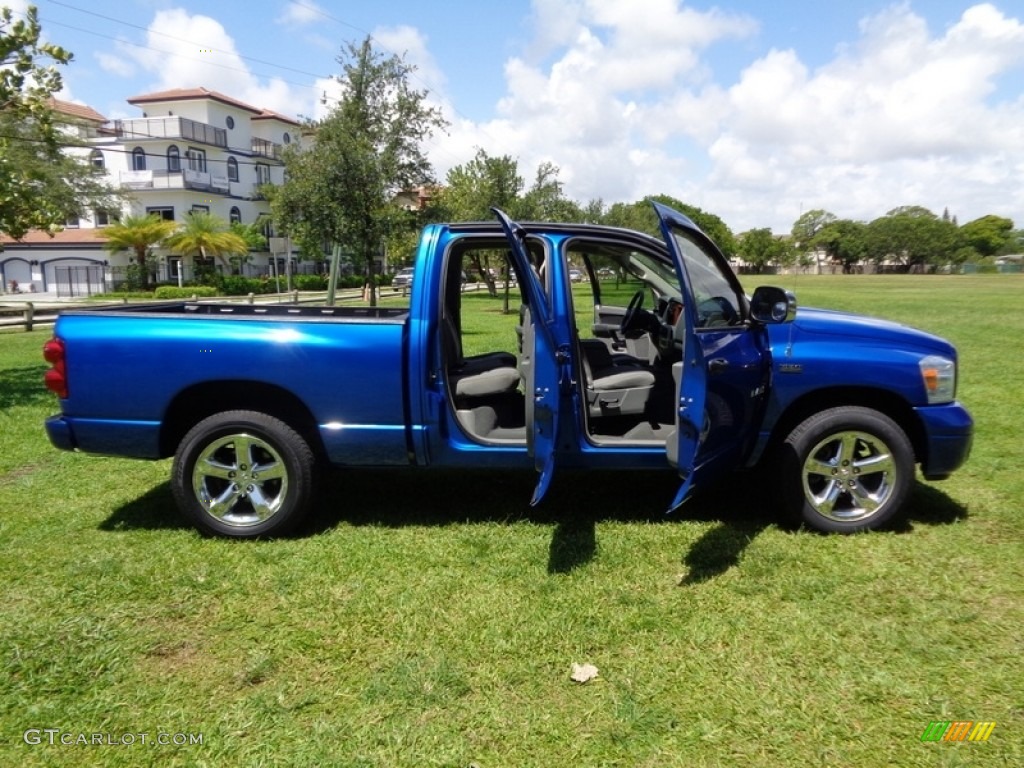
x=240, y=480
x=849, y=476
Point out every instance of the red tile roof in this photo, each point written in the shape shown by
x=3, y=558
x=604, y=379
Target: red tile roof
x=190, y=94
x=83, y=236
x=78, y=111
x=269, y=114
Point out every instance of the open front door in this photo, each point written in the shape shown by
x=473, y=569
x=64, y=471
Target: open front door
x=690, y=374
x=545, y=364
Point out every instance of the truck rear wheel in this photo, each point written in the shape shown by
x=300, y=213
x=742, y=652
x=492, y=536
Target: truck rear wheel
x=243, y=474
x=846, y=469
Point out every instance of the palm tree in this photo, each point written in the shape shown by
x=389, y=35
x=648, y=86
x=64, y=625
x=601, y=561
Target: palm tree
x=138, y=234
x=207, y=235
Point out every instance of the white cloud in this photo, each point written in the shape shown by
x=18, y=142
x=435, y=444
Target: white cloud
x=301, y=13
x=204, y=54
x=598, y=94
x=410, y=44
x=899, y=118
x=114, y=64
x=624, y=103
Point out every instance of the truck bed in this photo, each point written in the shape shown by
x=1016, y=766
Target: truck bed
x=260, y=311
x=138, y=374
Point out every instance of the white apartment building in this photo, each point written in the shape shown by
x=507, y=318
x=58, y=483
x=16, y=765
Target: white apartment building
x=192, y=149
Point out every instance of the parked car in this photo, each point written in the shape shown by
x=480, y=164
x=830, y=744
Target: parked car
x=403, y=279
x=575, y=276
x=837, y=408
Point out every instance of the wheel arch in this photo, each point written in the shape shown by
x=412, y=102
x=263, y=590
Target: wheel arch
x=881, y=400
x=195, y=403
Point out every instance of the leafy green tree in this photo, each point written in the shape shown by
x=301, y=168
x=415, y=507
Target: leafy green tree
x=805, y=230
x=809, y=225
x=760, y=248
x=342, y=189
x=207, y=236
x=988, y=236
x=138, y=234
x=472, y=189
x=844, y=241
x=914, y=238
x=641, y=217
x=252, y=234
x=41, y=185
x=545, y=200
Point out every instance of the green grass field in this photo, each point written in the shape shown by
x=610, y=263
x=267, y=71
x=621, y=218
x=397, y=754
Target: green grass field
x=432, y=620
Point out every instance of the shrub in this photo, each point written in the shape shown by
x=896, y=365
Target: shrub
x=235, y=285
x=309, y=283
x=186, y=292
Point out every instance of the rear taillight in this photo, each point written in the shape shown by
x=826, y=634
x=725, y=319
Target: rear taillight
x=56, y=379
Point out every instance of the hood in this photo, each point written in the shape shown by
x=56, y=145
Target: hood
x=810, y=320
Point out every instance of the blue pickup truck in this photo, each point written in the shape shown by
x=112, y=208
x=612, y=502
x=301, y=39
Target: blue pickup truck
x=672, y=365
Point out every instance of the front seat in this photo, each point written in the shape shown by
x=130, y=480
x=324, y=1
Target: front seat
x=613, y=389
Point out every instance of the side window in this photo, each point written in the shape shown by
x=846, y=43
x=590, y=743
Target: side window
x=716, y=298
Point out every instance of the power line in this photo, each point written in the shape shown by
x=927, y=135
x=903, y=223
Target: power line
x=148, y=30
x=176, y=54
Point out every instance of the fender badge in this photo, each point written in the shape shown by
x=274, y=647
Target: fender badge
x=791, y=368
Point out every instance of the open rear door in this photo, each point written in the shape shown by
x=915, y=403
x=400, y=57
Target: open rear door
x=546, y=362
x=691, y=374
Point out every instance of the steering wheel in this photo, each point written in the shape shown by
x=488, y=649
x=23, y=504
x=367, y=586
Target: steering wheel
x=632, y=311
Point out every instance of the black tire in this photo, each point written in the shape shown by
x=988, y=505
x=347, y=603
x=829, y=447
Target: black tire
x=263, y=492
x=845, y=470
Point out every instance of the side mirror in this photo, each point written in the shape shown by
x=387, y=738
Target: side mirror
x=772, y=305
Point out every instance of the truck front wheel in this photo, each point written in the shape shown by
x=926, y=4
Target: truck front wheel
x=243, y=474
x=846, y=469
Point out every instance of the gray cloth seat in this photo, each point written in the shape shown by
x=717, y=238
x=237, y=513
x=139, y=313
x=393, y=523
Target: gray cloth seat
x=487, y=375
x=494, y=381
x=613, y=388
x=475, y=363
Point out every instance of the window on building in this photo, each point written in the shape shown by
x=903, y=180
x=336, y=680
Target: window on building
x=104, y=218
x=287, y=138
x=164, y=212
x=96, y=158
x=196, y=159
x=229, y=122
x=266, y=225
x=173, y=159
x=138, y=159
x=232, y=169
x=200, y=209
x=71, y=222
x=262, y=174
x=235, y=216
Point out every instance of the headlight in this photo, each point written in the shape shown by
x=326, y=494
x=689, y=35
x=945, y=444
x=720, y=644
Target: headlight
x=939, y=377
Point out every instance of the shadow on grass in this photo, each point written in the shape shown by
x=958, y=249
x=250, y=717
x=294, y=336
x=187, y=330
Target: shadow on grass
x=928, y=505
x=155, y=510
x=23, y=386
x=575, y=504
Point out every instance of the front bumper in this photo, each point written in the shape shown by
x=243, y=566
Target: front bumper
x=948, y=435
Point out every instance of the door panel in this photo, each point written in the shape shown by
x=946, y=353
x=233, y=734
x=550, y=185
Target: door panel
x=542, y=372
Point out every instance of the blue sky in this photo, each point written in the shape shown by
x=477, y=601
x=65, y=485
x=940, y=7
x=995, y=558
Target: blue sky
x=754, y=111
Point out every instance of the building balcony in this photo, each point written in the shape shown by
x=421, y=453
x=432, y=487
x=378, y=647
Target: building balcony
x=266, y=148
x=183, y=179
x=143, y=128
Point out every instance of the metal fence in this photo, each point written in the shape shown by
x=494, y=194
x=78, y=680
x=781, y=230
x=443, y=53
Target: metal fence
x=79, y=281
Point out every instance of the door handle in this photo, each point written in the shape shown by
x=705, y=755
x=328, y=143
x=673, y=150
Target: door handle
x=717, y=365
